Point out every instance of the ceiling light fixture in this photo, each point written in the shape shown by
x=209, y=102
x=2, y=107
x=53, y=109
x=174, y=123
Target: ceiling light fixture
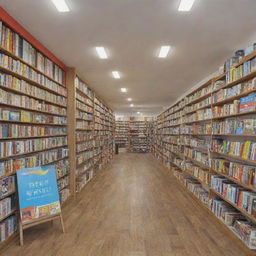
x=164, y=51
x=116, y=74
x=123, y=89
x=185, y=5
x=101, y=52
x=131, y=105
x=61, y=5
x=129, y=99
x=138, y=112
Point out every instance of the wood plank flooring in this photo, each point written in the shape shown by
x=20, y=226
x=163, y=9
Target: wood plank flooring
x=135, y=207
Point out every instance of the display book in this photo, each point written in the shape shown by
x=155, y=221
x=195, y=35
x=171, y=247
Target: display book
x=139, y=139
x=33, y=105
x=122, y=133
x=215, y=142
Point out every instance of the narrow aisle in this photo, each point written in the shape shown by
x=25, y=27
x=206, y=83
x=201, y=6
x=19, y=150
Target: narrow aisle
x=133, y=208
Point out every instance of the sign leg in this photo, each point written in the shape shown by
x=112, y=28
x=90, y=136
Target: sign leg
x=62, y=223
x=21, y=233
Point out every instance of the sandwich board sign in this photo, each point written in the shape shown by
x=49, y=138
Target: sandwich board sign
x=38, y=197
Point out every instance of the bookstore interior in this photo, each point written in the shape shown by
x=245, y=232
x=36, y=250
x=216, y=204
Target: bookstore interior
x=128, y=128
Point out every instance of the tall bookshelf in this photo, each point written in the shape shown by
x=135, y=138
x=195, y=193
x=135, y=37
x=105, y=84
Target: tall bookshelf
x=33, y=117
x=122, y=133
x=90, y=131
x=208, y=140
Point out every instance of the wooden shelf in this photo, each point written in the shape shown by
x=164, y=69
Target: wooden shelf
x=235, y=157
x=30, y=81
x=31, y=153
x=34, y=123
x=250, y=187
x=29, y=65
x=196, y=178
x=31, y=110
x=33, y=137
x=245, y=213
x=31, y=96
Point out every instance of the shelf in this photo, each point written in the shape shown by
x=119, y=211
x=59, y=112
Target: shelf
x=196, y=178
x=34, y=68
x=6, y=70
x=34, y=123
x=32, y=137
x=245, y=213
x=252, y=188
x=31, y=96
x=32, y=110
x=234, y=115
x=31, y=153
x=8, y=215
x=235, y=157
x=197, y=162
x=8, y=194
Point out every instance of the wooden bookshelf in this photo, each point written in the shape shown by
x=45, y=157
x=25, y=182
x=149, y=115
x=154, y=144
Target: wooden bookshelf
x=198, y=117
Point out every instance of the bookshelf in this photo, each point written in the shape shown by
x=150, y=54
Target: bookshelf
x=139, y=141
x=91, y=131
x=208, y=141
x=122, y=133
x=33, y=117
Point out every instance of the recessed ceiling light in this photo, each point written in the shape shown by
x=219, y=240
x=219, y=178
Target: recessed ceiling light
x=164, y=51
x=185, y=5
x=138, y=112
x=101, y=52
x=116, y=74
x=131, y=105
x=123, y=89
x=61, y=5
x=129, y=99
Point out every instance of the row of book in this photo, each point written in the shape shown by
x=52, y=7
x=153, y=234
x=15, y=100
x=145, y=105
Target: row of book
x=30, y=117
x=197, y=189
x=244, y=199
x=234, y=90
x=84, y=107
x=7, y=185
x=8, y=227
x=241, y=226
x=63, y=182
x=62, y=168
x=7, y=205
x=81, y=86
x=85, y=167
x=242, y=70
x=175, y=115
x=82, y=136
x=84, y=115
x=8, y=130
x=84, y=99
x=84, y=156
x=204, y=103
x=23, y=86
x=27, y=72
x=196, y=142
x=82, y=124
x=235, y=126
x=43, y=158
x=24, y=101
x=197, y=155
x=170, y=131
x=64, y=195
x=245, y=174
x=202, y=128
x=198, y=172
x=244, y=149
x=11, y=148
x=85, y=145
x=84, y=179
x=15, y=44
x=199, y=115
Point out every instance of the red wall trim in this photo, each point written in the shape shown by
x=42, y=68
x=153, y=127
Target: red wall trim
x=13, y=24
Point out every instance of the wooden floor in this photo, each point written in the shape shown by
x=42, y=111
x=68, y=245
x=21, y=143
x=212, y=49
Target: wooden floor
x=133, y=208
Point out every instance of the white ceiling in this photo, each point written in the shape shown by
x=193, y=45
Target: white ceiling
x=132, y=31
